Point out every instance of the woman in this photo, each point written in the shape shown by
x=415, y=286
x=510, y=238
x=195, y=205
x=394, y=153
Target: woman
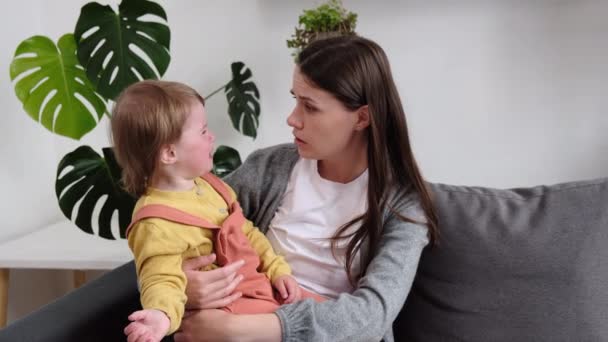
x=350, y=177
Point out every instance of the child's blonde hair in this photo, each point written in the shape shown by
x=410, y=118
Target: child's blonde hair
x=146, y=116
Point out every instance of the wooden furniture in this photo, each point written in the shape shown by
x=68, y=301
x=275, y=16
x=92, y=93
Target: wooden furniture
x=58, y=246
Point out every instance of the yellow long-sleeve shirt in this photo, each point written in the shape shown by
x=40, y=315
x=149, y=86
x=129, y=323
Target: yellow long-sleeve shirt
x=160, y=246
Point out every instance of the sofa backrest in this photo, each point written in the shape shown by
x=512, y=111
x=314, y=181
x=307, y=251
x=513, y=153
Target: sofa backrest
x=525, y=264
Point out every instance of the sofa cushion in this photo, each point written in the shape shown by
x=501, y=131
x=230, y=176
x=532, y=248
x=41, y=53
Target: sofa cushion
x=525, y=264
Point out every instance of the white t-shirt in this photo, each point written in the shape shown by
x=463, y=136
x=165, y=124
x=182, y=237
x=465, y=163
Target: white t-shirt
x=311, y=211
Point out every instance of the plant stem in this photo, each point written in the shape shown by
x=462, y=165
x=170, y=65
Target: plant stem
x=216, y=91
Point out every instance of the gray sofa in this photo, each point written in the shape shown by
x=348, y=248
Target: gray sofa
x=526, y=264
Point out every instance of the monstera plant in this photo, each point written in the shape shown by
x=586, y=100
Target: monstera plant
x=68, y=87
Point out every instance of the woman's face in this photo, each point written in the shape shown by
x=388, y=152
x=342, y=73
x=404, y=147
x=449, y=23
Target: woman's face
x=322, y=127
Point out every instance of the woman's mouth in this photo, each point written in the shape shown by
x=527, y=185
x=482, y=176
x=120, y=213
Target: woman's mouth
x=298, y=141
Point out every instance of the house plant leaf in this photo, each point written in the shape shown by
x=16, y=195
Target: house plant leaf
x=90, y=178
x=330, y=19
x=243, y=100
x=225, y=160
x=53, y=87
x=108, y=44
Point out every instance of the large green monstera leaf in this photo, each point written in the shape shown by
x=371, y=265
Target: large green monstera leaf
x=225, y=160
x=110, y=44
x=243, y=100
x=53, y=87
x=88, y=178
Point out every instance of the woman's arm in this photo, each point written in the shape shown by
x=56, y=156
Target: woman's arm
x=217, y=325
x=368, y=313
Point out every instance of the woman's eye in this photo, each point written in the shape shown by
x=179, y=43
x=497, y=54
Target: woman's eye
x=308, y=108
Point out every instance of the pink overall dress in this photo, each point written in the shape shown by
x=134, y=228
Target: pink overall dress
x=230, y=244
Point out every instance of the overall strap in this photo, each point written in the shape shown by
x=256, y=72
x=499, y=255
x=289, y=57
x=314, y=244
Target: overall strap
x=218, y=186
x=170, y=214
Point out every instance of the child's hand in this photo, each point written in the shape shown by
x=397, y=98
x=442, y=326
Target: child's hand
x=147, y=326
x=288, y=289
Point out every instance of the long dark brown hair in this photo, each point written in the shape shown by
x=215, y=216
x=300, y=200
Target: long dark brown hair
x=357, y=72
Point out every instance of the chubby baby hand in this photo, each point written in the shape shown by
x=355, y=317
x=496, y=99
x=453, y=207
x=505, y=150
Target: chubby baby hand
x=288, y=289
x=147, y=325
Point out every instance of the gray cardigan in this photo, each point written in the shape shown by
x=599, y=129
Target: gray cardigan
x=366, y=314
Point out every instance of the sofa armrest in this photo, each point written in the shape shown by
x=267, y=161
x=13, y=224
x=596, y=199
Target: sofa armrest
x=95, y=312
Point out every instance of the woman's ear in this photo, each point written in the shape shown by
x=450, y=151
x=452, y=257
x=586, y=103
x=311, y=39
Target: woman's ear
x=363, y=119
x=167, y=154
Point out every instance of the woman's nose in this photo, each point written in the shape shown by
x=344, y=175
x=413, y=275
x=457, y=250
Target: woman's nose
x=212, y=137
x=293, y=120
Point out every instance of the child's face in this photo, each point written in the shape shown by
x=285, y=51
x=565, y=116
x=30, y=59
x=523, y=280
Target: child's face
x=195, y=146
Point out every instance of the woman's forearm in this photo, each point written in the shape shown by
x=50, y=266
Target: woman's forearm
x=256, y=328
x=218, y=325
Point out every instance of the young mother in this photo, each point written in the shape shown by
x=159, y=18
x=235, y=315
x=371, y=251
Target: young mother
x=346, y=205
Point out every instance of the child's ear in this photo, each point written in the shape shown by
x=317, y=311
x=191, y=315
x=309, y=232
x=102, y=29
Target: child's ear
x=362, y=118
x=167, y=154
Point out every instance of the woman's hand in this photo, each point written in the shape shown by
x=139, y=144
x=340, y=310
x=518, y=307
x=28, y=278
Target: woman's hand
x=211, y=289
x=217, y=325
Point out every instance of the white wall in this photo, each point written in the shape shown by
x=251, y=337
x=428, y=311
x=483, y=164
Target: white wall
x=498, y=93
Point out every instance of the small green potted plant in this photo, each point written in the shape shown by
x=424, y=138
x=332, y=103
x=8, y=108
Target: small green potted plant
x=328, y=20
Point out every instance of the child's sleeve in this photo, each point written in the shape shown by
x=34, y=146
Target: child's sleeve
x=271, y=264
x=158, y=260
